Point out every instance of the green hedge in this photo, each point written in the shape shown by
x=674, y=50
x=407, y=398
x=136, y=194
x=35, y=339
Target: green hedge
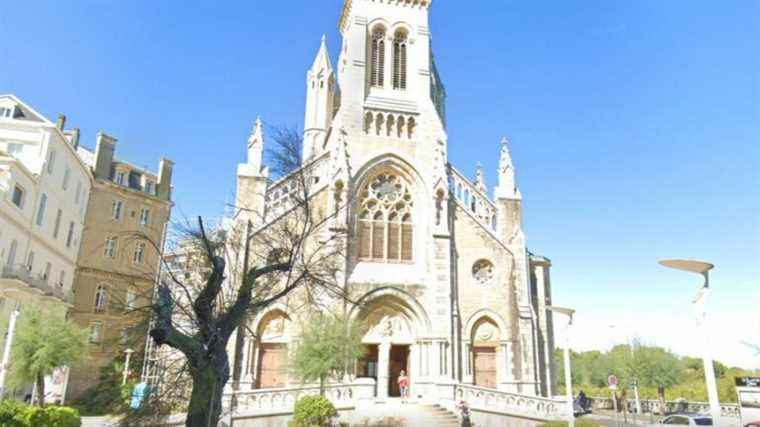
x=313, y=411
x=17, y=414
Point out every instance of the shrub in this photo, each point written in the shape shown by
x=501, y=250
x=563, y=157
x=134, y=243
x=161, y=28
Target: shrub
x=12, y=413
x=313, y=411
x=52, y=416
x=17, y=414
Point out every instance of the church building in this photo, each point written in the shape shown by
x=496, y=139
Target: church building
x=438, y=262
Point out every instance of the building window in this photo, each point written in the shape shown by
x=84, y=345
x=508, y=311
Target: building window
x=101, y=299
x=120, y=178
x=46, y=273
x=12, y=253
x=15, y=150
x=483, y=272
x=30, y=261
x=377, y=68
x=139, y=255
x=96, y=330
x=117, y=209
x=150, y=188
x=18, y=196
x=110, y=250
x=385, y=220
x=41, y=210
x=57, y=226
x=70, y=235
x=51, y=162
x=62, y=278
x=131, y=300
x=78, y=194
x=66, y=177
x=399, y=60
x=144, y=217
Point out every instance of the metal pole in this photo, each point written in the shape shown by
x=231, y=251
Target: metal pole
x=128, y=352
x=568, y=376
x=712, y=389
x=7, y=350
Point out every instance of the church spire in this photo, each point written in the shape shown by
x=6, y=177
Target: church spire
x=256, y=146
x=507, y=188
x=320, y=97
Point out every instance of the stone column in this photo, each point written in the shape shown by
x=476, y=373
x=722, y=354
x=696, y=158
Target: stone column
x=383, y=368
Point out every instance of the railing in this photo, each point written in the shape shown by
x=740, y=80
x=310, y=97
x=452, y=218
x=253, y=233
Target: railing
x=472, y=199
x=282, y=400
x=38, y=282
x=484, y=399
x=677, y=406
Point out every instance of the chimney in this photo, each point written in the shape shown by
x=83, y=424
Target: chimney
x=73, y=136
x=104, y=149
x=164, y=187
x=61, y=122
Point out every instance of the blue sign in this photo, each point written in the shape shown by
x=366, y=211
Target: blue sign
x=138, y=395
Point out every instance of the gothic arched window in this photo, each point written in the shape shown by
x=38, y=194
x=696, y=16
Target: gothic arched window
x=385, y=225
x=378, y=57
x=399, y=59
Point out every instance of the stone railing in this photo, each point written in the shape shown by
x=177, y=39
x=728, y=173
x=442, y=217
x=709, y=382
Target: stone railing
x=38, y=282
x=677, y=406
x=282, y=400
x=472, y=199
x=500, y=402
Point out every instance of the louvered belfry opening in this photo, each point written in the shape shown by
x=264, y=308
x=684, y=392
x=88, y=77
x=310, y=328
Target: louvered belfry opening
x=399, y=60
x=385, y=227
x=378, y=57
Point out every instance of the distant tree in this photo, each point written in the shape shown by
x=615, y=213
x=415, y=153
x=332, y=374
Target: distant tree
x=41, y=343
x=327, y=348
x=655, y=367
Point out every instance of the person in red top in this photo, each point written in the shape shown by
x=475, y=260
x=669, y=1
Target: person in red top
x=403, y=385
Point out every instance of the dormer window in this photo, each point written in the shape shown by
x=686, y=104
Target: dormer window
x=7, y=112
x=120, y=178
x=150, y=188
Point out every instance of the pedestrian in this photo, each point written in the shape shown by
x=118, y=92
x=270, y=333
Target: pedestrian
x=403, y=385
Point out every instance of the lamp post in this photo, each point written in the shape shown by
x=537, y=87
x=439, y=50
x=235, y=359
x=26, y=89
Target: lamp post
x=699, y=304
x=128, y=352
x=568, y=376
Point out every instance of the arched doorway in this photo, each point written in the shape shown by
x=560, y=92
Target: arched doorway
x=392, y=329
x=271, y=364
x=485, y=353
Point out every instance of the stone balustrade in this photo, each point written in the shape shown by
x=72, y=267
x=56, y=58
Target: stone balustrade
x=677, y=406
x=494, y=401
x=37, y=282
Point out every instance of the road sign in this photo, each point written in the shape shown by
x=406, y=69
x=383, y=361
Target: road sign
x=613, y=381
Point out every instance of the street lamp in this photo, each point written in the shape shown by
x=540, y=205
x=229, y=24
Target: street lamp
x=568, y=377
x=699, y=304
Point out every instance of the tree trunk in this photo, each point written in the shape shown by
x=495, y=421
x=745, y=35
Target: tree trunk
x=205, y=406
x=40, y=385
x=661, y=396
x=322, y=386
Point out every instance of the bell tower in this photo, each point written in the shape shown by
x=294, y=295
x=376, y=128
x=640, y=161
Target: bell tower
x=320, y=98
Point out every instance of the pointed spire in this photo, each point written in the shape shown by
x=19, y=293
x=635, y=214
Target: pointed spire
x=480, y=179
x=256, y=145
x=322, y=61
x=507, y=188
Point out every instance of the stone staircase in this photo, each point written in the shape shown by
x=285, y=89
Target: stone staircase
x=438, y=416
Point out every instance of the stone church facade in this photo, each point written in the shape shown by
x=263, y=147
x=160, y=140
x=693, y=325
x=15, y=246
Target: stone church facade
x=439, y=267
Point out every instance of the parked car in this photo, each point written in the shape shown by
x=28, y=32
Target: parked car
x=688, y=420
x=753, y=424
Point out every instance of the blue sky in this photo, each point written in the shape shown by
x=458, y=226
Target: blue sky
x=634, y=126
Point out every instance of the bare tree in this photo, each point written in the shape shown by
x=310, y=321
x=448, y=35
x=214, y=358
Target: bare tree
x=243, y=268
